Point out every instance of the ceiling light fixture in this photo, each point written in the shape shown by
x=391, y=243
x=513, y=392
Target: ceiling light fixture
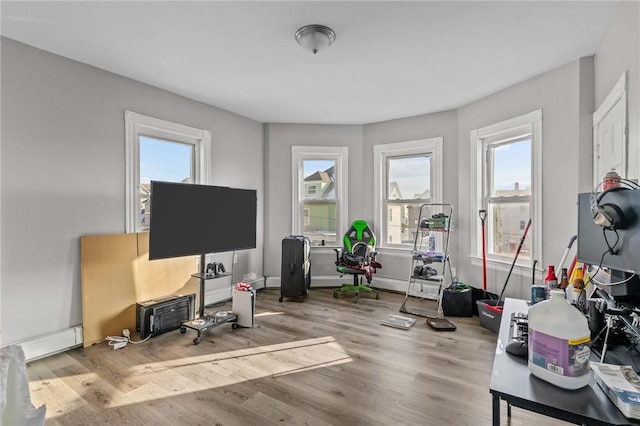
x=315, y=37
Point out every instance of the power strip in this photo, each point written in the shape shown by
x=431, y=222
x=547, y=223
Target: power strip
x=119, y=342
x=119, y=345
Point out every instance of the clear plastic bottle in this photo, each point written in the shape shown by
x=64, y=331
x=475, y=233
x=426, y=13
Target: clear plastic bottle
x=432, y=242
x=559, y=340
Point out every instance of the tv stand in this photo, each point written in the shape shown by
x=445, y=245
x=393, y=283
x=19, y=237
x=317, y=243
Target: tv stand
x=205, y=322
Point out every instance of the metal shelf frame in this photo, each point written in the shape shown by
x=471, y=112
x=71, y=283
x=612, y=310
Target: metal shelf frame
x=429, y=287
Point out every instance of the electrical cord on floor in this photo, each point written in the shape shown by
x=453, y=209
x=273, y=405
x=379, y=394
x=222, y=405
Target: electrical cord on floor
x=121, y=341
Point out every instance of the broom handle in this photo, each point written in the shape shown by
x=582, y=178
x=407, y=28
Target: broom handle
x=514, y=261
x=483, y=216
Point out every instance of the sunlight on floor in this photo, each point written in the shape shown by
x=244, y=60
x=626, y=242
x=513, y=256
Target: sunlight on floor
x=187, y=375
x=268, y=314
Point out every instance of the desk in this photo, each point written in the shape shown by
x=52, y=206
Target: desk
x=511, y=382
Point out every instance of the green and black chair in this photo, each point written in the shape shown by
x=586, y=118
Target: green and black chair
x=357, y=257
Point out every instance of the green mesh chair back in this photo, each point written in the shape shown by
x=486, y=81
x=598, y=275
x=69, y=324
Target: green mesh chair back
x=359, y=239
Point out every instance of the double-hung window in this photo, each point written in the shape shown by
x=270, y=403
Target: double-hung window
x=320, y=193
x=507, y=185
x=162, y=151
x=407, y=175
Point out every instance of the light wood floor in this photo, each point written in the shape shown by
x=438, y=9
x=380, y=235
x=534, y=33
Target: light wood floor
x=325, y=361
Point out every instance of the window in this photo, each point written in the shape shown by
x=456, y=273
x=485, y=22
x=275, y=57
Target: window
x=164, y=151
x=407, y=175
x=506, y=165
x=320, y=193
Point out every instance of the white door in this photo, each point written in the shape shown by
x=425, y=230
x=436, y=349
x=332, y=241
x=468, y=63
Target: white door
x=610, y=133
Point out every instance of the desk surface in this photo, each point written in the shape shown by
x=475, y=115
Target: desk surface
x=512, y=382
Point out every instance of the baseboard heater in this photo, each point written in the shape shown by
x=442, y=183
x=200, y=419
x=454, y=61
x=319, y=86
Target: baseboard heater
x=163, y=314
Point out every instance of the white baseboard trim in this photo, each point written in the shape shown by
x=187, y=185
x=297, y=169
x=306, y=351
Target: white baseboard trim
x=52, y=343
x=316, y=281
x=60, y=341
x=336, y=281
x=390, y=284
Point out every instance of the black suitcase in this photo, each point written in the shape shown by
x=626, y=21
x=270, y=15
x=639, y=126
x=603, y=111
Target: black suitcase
x=295, y=276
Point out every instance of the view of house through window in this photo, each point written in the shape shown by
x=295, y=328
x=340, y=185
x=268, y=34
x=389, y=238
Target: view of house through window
x=160, y=150
x=162, y=160
x=408, y=186
x=406, y=175
x=508, y=196
x=506, y=181
x=319, y=202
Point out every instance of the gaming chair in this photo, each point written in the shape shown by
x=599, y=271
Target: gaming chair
x=357, y=257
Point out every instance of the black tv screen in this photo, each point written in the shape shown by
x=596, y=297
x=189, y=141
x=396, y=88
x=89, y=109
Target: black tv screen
x=592, y=246
x=189, y=219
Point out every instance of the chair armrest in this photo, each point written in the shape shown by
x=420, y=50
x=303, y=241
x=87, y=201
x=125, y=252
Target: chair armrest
x=338, y=253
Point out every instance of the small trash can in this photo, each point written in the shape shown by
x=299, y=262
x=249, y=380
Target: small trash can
x=457, y=300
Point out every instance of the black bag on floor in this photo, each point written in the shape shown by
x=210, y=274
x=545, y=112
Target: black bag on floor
x=480, y=294
x=457, y=300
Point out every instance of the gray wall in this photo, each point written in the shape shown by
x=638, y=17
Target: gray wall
x=279, y=138
x=396, y=263
x=62, y=166
x=618, y=52
x=563, y=94
x=63, y=176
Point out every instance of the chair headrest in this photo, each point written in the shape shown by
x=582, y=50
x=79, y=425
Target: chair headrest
x=359, y=232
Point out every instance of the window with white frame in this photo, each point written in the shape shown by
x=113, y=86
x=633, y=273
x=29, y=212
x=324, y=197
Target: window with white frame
x=406, y=175
x=162, y=151
x=506, y=164
x=319, y=193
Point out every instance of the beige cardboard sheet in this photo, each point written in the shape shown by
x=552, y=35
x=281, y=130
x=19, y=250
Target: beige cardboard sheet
x=116, y=274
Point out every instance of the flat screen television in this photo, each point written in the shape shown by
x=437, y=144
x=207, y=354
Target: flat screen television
x=189, y=219
x=591, y=237
x=594, y=240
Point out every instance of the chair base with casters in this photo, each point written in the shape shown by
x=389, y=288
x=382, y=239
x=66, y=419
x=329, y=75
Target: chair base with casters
x=357, y=287
x=358, y=272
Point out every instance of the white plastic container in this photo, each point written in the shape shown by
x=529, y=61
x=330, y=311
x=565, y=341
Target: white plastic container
x=559, y=340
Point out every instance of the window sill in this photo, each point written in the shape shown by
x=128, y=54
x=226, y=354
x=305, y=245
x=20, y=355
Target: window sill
x=520, y=268
x=324, y=249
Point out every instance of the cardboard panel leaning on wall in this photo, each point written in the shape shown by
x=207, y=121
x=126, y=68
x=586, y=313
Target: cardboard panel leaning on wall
x=161, y=277
x=116, y=273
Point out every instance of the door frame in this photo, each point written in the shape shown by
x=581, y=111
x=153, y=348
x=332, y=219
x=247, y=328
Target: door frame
x=617, y=94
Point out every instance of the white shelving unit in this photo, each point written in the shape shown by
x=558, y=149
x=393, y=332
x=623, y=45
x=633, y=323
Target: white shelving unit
x=431, y=263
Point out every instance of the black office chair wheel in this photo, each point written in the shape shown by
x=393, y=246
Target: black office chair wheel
x=183, y=330
x=280, y=300
x=377, y=296
x=197, y=340
x=335, y=294
x=355, y=299
x=235, y=325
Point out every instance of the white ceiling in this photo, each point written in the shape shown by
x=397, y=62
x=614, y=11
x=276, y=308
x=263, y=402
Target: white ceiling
x=390, y=59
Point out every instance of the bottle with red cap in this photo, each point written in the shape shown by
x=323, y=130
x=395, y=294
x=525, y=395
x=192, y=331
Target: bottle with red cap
x=610, y=180
x=550, y=280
